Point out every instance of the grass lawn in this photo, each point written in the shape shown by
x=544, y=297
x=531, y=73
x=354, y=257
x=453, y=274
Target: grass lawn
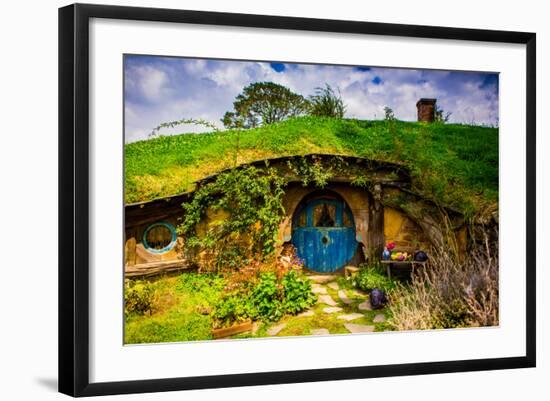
x=454, y=164
x=179, y=302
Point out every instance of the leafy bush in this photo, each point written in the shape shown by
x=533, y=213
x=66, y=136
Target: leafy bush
x=297, y=293
x=233, y=308
x=370, y=277
x=268, y=300
x=139, y=297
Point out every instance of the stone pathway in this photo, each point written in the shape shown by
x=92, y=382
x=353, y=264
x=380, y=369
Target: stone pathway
x=351, y=316
x=333, y=286
x=274, y=330
x=359, y=328
x=342, y=295
x=318, y=289
x=322, y=278
x=327, y=299
x=353, y=311
x=365, y=305
x=380, y=318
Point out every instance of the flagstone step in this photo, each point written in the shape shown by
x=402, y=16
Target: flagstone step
x=322, y=278
x=365, y=305
x=327, y=299
x=334, y=285
x=274, y=330
x=342, y=295
x=318, y=289
x=319, y=332
x=358, y=328
x=351, y=316
x=332, y=309
x=380, y=318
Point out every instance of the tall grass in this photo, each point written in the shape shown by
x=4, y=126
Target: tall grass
x=450, y=292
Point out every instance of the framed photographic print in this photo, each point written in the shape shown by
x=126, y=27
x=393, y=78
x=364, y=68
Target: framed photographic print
x=250, y=199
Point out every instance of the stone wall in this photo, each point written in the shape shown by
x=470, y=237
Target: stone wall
x=404, y=232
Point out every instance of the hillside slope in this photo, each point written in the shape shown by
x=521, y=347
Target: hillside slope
x=456, y=165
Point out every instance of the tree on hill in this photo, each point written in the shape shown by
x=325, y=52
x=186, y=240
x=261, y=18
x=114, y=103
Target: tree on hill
x=326, y=103
x=441, y=116
x=388, y=114
x=262, y=103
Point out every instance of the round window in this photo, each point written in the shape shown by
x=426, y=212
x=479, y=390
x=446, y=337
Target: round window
x=159, y=237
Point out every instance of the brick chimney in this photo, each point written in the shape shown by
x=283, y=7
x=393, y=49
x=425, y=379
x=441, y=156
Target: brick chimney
x=426, y=110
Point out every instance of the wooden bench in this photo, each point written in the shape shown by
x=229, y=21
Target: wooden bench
x=396, y=264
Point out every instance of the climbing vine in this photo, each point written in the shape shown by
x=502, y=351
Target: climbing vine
x=247, y=207
x=316, y=171
x=183, y=121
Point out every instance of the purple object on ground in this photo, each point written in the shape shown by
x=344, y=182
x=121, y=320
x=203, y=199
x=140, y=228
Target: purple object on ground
x=377, y=298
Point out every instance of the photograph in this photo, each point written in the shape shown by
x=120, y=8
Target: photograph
x=276, y=199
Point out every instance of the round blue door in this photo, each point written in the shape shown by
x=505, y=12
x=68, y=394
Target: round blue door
x=324, y=234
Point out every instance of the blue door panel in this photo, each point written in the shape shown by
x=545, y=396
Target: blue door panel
x=325, y=249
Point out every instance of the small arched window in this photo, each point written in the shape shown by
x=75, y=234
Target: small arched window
x=159, y=237
x=301, y=221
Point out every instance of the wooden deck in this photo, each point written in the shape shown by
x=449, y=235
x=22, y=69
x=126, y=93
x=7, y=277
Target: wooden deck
x=154, y=268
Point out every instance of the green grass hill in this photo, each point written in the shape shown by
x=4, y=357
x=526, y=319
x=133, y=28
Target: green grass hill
x=455, y=165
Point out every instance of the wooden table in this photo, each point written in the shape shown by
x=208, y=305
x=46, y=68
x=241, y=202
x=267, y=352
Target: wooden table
x=400, y=264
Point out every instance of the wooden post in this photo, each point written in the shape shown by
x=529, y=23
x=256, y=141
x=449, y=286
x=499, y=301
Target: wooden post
x=376, y=224
x=131, y=251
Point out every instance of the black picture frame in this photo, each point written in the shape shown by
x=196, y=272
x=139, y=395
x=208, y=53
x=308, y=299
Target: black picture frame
x=74, y=198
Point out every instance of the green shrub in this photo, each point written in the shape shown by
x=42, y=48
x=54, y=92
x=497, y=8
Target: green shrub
x=268, y=300
x=370, y=277
x=202, y=282
x=232, y=309
x=297, y=293
x=139, y=297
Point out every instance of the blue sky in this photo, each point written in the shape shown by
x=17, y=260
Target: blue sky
x=161, y=89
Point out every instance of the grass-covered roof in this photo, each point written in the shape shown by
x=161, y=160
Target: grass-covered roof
x=456, y=165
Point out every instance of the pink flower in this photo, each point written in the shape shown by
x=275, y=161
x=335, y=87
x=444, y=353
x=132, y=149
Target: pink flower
x=390, y=245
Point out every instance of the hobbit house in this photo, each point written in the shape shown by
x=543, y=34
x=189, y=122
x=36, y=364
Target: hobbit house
x=342, y=216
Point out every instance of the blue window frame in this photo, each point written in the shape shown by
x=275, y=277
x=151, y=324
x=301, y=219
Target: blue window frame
x=159, y=237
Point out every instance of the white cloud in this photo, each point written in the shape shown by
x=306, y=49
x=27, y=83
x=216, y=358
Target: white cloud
x=161, y=89
x=150, y=82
